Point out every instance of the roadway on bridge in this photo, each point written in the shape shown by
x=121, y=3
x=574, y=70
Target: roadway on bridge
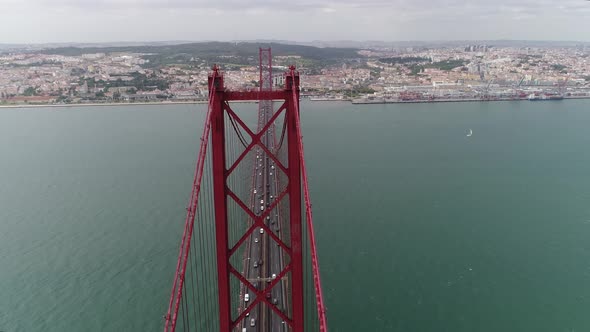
x=265, y=257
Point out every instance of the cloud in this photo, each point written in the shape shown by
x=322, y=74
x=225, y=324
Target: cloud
x=404, y=10
x=281, y=5
x=75, y=20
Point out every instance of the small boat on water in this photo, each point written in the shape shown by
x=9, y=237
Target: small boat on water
x=470, y=133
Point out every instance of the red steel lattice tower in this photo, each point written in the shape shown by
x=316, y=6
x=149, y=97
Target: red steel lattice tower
x=221, y=111
x=265, y=59
x=249, y=204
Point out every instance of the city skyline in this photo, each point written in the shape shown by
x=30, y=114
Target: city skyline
x=62, y=21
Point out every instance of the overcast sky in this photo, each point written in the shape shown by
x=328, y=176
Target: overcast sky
x=36, y=21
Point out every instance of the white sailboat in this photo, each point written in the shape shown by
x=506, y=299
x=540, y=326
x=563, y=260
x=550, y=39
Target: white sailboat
x=470, y=133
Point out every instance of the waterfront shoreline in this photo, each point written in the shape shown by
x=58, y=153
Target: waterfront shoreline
x=99, y=104
x=375, y=102
x=458, y=100
x=112, y=104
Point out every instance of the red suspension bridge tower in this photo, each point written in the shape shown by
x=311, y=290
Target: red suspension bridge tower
x=248, y=259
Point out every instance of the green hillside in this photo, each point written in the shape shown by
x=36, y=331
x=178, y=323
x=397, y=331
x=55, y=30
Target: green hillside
x=218, y=52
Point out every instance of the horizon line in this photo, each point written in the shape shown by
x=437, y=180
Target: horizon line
x=437, y=41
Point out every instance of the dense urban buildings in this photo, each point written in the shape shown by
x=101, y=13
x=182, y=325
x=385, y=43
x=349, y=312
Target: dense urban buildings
x=378, y=74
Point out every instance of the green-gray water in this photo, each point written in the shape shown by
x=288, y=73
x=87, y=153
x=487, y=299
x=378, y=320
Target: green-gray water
x=419, y=227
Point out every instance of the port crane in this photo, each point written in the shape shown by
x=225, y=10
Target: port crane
x=517, y=92
x=561, y=86
x=486, y=91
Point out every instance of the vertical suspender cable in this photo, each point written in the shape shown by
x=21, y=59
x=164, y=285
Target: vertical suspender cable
x=208, y=233
x=192, y=277
x=195, y=270
x=176, y=295
x=314, y=258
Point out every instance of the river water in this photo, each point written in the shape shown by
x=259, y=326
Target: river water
x=419, y=227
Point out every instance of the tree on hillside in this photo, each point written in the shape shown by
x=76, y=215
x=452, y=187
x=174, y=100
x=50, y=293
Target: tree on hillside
x=30, y=91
